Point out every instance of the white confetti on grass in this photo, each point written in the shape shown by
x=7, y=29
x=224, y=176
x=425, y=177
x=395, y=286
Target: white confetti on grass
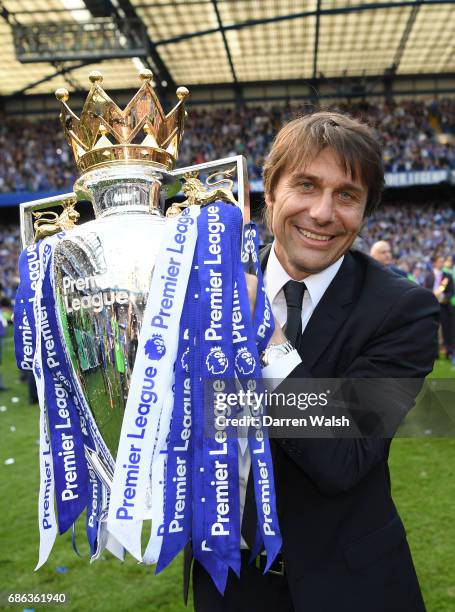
x=3, y=408
x=9, y=461
x=14, y=400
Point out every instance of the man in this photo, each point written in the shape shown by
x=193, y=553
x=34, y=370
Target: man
x=419, y=274
x=344, y=546
x=441, y=283
x=382, y=252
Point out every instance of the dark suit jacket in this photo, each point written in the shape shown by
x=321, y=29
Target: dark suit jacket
x=344, y=545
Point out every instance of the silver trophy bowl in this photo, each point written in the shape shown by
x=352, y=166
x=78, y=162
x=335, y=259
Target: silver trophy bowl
x=102, y=274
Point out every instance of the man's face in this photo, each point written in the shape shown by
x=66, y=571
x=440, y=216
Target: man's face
x=439, y=263
x=383, y=253
x=316, y=214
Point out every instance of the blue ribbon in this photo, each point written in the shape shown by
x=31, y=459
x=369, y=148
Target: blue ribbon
x=24, y=317
x=59, y=390
x=219, y=340
x=263, y=321
x=248, y=370
x=202, y=490
x=216, y=568
x=216, y=224
x=179, y=476
x=70, y=468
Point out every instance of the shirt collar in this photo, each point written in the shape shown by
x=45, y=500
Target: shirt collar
x=276, y=277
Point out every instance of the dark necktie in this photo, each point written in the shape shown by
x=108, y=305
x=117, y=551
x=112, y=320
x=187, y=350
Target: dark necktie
x=293, y=292
x=249, y=513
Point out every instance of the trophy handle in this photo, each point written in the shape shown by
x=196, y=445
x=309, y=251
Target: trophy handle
x=65, y=220
x=235, y=171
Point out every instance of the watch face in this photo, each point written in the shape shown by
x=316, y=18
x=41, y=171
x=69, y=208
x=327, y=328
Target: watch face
x=275, y=352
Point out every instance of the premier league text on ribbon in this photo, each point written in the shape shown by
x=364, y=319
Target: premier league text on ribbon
x=48, y=476
x=217, y=364
x=175, y=525
x=27, y=341
x=161, y=320
x=256, y=409
x=148, y=396
x=63, y=423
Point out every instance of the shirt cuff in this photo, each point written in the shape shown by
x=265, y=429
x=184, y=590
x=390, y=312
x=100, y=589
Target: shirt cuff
x=276, y=372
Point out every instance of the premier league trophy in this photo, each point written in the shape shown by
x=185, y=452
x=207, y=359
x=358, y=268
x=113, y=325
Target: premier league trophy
x=103, y=268
x=85, y=290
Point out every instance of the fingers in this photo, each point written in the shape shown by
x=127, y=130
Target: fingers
x=252, y=287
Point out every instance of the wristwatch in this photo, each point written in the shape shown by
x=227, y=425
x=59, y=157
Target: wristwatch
x=274, y=352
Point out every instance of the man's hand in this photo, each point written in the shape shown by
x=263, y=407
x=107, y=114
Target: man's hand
x=278, y=336
x=252, y=286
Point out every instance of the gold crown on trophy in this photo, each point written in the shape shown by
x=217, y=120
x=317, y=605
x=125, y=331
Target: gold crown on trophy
x=140, y=133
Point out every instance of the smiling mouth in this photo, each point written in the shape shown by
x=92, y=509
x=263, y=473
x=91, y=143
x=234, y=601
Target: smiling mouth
x=314, y=236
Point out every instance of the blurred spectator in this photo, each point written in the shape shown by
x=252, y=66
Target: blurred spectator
x=441, y=283
x=382, y=252
x=3, y=326
x=419, y=273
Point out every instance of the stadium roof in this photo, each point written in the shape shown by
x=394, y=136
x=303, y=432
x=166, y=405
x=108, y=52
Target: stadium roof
x=193, y=42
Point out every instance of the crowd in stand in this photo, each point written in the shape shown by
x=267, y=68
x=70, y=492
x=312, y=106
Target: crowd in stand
x=35, y=156
x=409, y=130
x=416, y=135
x=10, y=248
x=414, y=233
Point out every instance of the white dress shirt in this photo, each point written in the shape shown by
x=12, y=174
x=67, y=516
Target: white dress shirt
x=275, y=277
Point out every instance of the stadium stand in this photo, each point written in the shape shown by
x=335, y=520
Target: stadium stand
x=416, y=136
x=37, y=158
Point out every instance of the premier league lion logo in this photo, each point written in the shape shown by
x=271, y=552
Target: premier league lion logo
x=216, y=361
x=184, y=360
x=154, y=348
x=244, y=361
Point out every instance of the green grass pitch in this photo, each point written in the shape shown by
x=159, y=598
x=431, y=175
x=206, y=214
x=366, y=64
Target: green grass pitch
x=423, y=479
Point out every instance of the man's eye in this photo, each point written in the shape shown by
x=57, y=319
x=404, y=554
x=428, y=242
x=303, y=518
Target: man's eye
x=307, y=185
x=345, y=195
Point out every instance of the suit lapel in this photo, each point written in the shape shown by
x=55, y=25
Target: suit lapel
x=330, y=313
x=264, y=255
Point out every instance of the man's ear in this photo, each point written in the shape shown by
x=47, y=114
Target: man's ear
x=268, y=211
x=269, y=201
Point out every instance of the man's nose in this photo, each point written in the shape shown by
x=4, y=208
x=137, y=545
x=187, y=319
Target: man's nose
x=322, y=209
